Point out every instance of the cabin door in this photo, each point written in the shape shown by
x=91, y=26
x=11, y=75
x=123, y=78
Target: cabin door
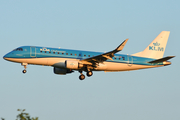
x=130, y=60
x=33, y=51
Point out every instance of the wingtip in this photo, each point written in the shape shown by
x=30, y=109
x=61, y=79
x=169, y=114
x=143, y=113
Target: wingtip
x=126, y=39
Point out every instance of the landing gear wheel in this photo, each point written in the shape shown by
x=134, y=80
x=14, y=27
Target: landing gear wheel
x=24, y=71
x=89, y=73
x=82, y=77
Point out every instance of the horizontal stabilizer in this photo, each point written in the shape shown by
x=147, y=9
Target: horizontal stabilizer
x=162, y=59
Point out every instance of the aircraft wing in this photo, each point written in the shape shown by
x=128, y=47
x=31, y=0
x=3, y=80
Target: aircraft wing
x=105, y=56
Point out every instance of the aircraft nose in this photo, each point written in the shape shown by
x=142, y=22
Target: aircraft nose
x=6, y=56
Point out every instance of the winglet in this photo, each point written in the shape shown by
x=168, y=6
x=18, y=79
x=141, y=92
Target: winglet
x=121, y=46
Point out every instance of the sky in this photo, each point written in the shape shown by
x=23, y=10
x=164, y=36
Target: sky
x=96, y=25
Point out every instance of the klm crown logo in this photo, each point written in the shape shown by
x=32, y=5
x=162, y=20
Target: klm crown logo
x=156, y=47
x=156, y=44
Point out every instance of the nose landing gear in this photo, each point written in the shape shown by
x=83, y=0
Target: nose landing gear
x=24, y=71
x=25, y=66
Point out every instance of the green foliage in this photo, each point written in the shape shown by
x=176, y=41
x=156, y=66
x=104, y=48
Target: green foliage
x=24, y=116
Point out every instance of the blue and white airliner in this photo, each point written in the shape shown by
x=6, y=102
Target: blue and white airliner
x=66, y=61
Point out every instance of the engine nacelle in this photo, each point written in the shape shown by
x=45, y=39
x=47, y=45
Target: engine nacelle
x=73, y=64
x=62, y=71
x=68, y=64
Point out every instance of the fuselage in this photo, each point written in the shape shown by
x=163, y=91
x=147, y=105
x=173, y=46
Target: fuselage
x=66, y=61
x=56, y=56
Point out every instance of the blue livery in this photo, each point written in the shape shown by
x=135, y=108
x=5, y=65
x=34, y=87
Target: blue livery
x=66, y=61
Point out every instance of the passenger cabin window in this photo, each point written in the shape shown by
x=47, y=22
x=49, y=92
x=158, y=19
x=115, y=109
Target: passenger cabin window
x=54, y=52
x=84, y=55
x=123, y=58
x=66, y=53
x=58, y=52
x=88, y=55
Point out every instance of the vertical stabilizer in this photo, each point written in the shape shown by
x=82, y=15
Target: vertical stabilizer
x=157, y=47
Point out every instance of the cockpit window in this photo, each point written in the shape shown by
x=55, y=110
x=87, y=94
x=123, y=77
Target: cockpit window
x=18, y=49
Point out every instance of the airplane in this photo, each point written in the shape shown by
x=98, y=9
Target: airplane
x=66, y=61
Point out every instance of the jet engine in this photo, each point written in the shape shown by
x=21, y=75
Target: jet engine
x=62, y=71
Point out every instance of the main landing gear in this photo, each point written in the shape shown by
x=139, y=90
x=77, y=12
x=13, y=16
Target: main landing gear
x=82, y=76
x=89, y=73
x=25, y=66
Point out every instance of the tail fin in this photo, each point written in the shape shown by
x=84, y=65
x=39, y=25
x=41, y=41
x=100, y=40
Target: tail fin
x=157, y=47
